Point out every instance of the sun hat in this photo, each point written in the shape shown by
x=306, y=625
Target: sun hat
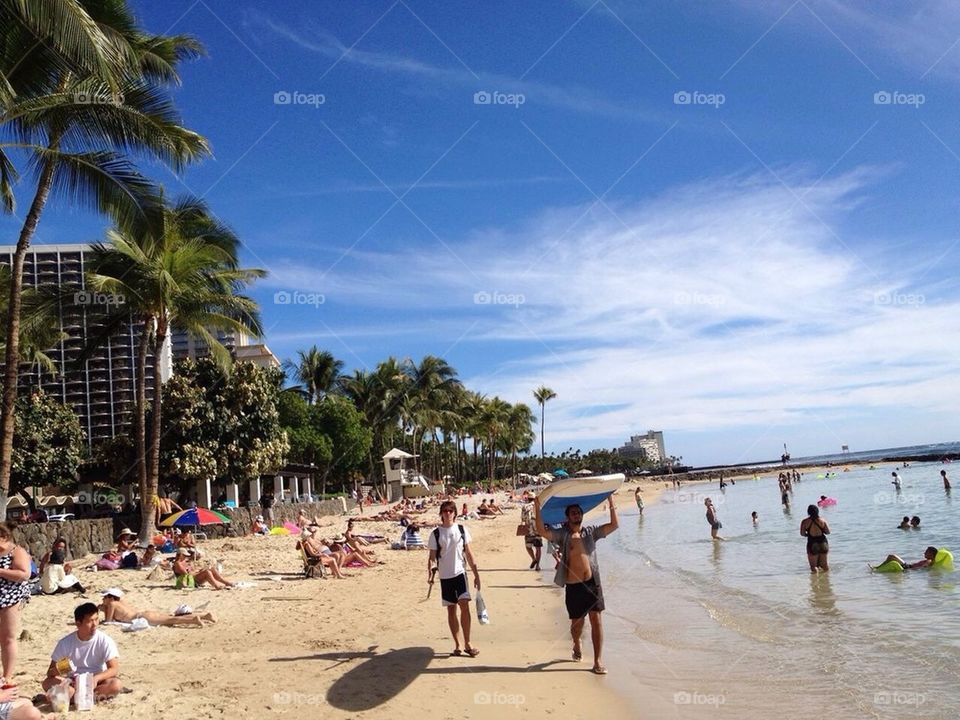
x=125, y=532
x=113, y=592
x=340, y=539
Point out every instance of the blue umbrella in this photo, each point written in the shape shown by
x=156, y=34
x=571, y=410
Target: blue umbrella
x=560, y=472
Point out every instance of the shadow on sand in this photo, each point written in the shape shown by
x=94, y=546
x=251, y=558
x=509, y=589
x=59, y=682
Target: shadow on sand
x=356, y=690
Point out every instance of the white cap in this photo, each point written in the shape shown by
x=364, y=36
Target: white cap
x=114, y=592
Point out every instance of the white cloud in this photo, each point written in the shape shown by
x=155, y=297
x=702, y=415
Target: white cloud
x=724, y=307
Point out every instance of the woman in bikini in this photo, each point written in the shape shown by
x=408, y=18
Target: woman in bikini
x=815, y=531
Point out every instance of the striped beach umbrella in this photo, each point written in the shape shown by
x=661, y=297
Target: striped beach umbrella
x=196, y=516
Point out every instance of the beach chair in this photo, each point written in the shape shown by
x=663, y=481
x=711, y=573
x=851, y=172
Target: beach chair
x=312, y=566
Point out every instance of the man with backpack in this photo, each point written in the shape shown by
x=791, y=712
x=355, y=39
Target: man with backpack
x=449, y=546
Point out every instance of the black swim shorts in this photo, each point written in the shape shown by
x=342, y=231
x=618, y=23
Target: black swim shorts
x=583, y=598
x=454, y=589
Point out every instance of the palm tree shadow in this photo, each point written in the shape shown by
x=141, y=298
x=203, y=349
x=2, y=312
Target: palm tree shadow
x=382, y=677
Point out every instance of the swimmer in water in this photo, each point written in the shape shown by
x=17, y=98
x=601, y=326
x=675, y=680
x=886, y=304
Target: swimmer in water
x=755, y=518
x=928, y=557
x=904, y=524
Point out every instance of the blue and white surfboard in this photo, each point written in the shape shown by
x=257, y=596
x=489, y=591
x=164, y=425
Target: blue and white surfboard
x=588, y=493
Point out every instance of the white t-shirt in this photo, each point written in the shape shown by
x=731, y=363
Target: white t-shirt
x=89, y=656
x=451, y=549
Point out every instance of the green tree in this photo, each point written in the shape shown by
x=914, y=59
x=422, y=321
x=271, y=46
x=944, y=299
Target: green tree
x=543, y=395
x=83, y=90
x=317, y=371
x=49, y=444
x=185, y=274
x=222, y=426
x=350, y=438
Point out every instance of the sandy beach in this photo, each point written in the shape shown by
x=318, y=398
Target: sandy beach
x=370, y=645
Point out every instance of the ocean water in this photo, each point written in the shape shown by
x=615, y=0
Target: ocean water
x=741, y=628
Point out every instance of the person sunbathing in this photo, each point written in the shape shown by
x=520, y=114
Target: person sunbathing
x=56, y=573
x=126, y=541
x=116, y=610
x=259, y=526
x=361, y=540
x=187, y=576
x=346, y=554
x=929, y=555
x=186, y=540
x=315, y=550
x=494, y=507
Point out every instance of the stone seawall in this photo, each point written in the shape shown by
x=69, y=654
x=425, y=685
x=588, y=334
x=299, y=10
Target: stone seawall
x=98, y=536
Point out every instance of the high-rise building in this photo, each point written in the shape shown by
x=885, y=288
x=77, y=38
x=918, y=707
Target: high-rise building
x=243, y=347
x=101, y=387
x=649, y=446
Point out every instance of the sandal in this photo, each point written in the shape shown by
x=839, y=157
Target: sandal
x=457, y=652
x=577, y=655
x=472, y=651
x=599, y=670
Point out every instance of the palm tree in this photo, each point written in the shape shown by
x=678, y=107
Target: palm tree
x=543, y=395
x=431, y=385
x=76, y=109
x=518, y=436
x=186, y=275
x=317, y=371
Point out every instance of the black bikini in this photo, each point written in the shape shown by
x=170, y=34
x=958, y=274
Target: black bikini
x=817, y=544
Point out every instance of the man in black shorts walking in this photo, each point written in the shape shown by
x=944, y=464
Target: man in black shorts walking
x=579, y=574
x=449, y=546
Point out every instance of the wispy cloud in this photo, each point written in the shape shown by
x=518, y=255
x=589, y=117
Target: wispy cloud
x=576, y=99
x=402, y=188
x=716, y=306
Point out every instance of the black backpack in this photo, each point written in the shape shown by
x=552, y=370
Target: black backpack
x=436, y=538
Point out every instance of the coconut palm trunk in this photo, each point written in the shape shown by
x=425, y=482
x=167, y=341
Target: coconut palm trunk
x=147, y=501
x=12, y=354
x=143, y=349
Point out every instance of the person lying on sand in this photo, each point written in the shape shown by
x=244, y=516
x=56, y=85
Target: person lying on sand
x=187, y=576
x=348, y=554
x=360, y=540
x=114, y=609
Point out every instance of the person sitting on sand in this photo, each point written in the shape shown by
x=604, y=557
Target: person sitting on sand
x=115, y=609
x=91, y=651
x=317, y=551
x=126, y=541
x=905, y=523
x=463, y=511
x=411, y=538
x=186, y=540
x=915, y=522
x=259, y=526
x=302, y=519
x=929, y=555
x=187, y=576
x=13, y=707
x=484, y=510
x=491, y=505
x=56, y=573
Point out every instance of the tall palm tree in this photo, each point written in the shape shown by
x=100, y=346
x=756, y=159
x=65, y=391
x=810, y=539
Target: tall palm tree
x=77, y=111
x=543, y=395
x=317, y=371
x=431, y=384
x=518, y=436
x=185, y=275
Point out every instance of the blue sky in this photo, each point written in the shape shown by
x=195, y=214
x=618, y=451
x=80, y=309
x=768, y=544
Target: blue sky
x=733, y=221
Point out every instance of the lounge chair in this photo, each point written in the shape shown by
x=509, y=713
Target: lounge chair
x=312, y=566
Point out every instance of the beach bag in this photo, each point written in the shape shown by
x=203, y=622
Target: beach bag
x=106, y=563
x=130, y=561
x=482, y=615
x=522, y=530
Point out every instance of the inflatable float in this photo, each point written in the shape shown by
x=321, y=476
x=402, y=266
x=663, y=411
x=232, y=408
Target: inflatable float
x=588, y=493
x=826, y=501
x=942, y=561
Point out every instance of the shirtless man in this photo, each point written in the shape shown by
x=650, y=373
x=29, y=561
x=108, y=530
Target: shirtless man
x=183, y=568
x=579, y=574
x=165, y=506
x=929, y=555
x=946, y=481
x=116, y=610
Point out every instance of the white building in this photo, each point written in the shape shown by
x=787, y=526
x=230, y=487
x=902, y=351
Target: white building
x=649, y=447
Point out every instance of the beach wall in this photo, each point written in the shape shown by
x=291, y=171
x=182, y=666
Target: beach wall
x=82, y=536
x=98, y=536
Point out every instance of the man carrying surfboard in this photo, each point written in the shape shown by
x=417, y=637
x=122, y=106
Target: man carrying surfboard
x=579, y=574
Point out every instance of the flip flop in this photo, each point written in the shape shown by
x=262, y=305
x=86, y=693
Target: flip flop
x=472, y=652
x=577, y=655
x=599, y=670
x=457, y=653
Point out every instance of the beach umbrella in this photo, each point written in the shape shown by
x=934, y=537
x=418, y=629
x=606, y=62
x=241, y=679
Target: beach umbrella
x=196, y=516
x=561, y=473
x=583, y=473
